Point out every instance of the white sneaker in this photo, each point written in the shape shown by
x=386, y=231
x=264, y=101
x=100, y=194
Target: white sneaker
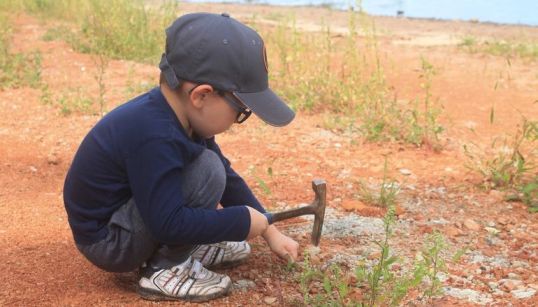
x=188, y=281
x=223, y=254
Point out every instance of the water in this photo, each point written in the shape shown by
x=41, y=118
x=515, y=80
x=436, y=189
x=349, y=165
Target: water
x=498, y=11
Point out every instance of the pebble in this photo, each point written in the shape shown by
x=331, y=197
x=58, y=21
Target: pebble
x=269, y=300
x=492, y=230
x=493, y=285
x=502, y=220
x=405, y=171
x=523, y=293
x=513, y=276
x=509, y=284
x=452, y=231
x=471, y=225
x=244, y=284
x=53, y=159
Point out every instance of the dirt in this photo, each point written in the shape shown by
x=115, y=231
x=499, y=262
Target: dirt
x=41, y=265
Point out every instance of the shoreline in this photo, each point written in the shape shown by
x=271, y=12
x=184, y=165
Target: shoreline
x=315, y=18
x=338, y=9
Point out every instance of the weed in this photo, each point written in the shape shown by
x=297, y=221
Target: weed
x=332, y=284
x=46, y=96
x=425, y=128
x=74, y=100
x=101, y=63
x=379, y=284
x=135, y=88
x=433, y=262
x=386, y=197
x=16, y=69
x=469, y=43
x=261, y=183
x=507, y=49
x=119, y=29
x=508, y=161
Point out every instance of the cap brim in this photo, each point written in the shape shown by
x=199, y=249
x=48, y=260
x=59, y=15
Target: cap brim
x=267, y=106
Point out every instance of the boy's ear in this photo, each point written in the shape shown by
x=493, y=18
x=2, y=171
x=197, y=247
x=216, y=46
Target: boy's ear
x=199, y=95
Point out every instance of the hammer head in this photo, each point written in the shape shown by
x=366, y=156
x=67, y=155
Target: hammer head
x=320, y=189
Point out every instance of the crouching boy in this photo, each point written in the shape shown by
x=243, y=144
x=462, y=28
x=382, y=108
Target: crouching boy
x=143, y=189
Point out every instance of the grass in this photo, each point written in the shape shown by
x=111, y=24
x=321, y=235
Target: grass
x=119, y=29
x=323, y=71
x=509, y=163
x=379, y=284
x=16, y=69
x=342, y=75
x=388, y=191
x=521, y=49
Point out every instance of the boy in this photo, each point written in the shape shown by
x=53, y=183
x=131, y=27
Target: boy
x=143, y=188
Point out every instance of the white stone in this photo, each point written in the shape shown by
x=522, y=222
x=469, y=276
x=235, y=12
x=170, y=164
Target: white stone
x=405, y=171
x=523, y=293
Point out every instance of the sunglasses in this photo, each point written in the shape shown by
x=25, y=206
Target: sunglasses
x=243, y=113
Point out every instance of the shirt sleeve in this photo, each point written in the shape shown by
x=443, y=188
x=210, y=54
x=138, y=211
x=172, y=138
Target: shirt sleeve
x=236, y=192
x=154, y=176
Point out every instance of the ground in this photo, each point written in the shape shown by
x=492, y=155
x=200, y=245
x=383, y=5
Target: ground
x=41, y=265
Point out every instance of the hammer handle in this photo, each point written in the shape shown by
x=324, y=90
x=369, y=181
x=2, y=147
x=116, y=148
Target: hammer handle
x=317, y=207
x=284, y=215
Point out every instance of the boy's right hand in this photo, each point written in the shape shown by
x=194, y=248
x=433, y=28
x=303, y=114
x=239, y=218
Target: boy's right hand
x=258, y=223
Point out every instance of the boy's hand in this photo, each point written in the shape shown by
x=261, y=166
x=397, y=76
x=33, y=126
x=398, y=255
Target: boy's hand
x=258, y=223
x=282, y=245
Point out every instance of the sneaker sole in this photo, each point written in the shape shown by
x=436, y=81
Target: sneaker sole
x=153, y=295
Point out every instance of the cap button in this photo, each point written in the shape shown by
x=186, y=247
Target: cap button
x=225, y=15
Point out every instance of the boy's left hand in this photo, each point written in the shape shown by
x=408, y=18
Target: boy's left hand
x=282, y=245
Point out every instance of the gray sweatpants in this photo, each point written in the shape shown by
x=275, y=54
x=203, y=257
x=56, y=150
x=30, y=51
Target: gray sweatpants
x=129, y=243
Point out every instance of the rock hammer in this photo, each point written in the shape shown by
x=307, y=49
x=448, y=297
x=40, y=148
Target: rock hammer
x=317, y=208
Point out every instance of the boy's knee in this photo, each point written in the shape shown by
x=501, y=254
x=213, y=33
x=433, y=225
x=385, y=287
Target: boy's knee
x=204, y=180
x=213, y=169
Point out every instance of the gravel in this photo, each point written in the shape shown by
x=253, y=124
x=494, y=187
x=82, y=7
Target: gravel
x=469, y=295
x=338, y=225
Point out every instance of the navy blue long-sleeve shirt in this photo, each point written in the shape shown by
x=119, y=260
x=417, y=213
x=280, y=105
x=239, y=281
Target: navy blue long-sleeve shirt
x=138, y=151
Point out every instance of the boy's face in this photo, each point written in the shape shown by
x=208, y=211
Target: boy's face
x=212, y=112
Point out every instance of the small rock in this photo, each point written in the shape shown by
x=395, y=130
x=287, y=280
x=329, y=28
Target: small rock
x=53, y=159
x=374, y=255
x=513, y=276
x=269, y=300
x=244, y=284
x=496, y=196
x=442, y=276
x=523, y=293
x=502, y=220
x=493, y=285
x=471, y=225
x=509, y=284
x=491, y=230
x=452, y=231
x=33, y=169
x=405, y=171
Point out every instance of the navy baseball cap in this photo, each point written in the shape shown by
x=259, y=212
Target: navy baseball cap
x=218, y=50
